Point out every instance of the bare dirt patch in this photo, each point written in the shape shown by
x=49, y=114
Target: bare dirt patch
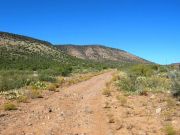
x=149, y=114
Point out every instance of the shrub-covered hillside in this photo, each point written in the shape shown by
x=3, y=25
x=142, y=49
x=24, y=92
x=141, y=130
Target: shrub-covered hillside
x=20, y=52
x=21, y=56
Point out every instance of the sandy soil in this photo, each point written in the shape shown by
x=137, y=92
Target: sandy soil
x=75, y=110
x=141, y=114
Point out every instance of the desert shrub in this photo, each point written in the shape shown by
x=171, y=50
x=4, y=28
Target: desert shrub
x=50, y=72
x=163, y=69
x=13, y=82
x=34, y=93
x=38, y=85
x=116, y=77
x=9, y=106
x=122, y=100
x=143, y=70
x=66, y=71
x=176, y=89
x=143, y=84
x=14, y=79
x=107, y=92
x=157, y=83
x=47, y=78
x=22, y=98
x=12, y=94
x=169, y=130
x=57, y=85
x=175, y=77
x=127, y=84
x=52, y=87
x=61, y=80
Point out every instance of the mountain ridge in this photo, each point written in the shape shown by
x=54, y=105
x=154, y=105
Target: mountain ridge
x=100, y=53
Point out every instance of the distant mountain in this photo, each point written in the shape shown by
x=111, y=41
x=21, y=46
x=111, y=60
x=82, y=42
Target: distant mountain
x=175, y=63
x=100, y=53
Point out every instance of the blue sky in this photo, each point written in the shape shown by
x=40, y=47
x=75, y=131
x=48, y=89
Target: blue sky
x=147, y=28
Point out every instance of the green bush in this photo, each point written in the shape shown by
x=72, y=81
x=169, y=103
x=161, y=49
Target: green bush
x=143, y=70
x=142, y=84
x=127, y=84
x=163, y=69
x=11, y=80
x=47, y=78
x=38, y=85
x=66, y=71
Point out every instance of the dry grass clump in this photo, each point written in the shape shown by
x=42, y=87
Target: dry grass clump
x=107, y=92
x=34, y=93
x=56, y=85
x=170, y=109
x=115, y=77
x=53, y=87
x=9, y=106
x=71, y=81
x=169, y=130
x=171, y=103
x=122, y=100
x=22, y=98
x=61, y=80
x=109, y=85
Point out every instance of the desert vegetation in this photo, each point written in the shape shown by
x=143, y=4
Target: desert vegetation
x=9, y=106
x=25, y=60
x=140, y=98
x=147, y=94
x=141, y=79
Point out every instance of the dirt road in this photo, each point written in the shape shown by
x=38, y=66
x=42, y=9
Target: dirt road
x=75, y=110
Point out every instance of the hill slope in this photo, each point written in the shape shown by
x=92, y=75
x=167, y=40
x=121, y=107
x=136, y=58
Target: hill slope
x=100, y=53
x=21, y=52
